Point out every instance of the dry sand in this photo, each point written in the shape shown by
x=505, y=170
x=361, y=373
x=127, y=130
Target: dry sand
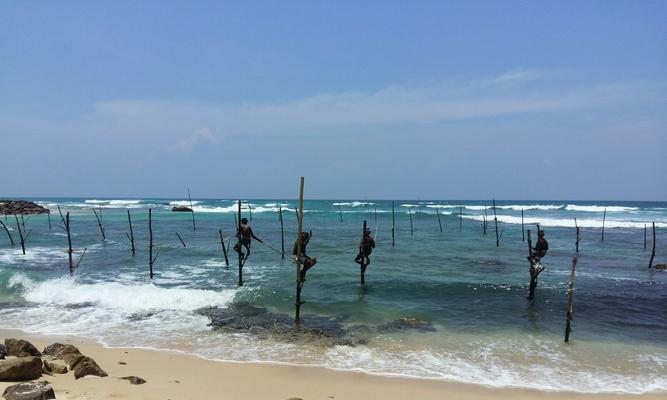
x=172, y=375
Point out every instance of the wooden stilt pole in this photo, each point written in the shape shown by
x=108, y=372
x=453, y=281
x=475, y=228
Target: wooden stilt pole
x=340, y=213
x=495, y=221
x=224, y=249
x=411, y=229
x=131, y=236
x=299, y=261
x=99, y=223
x=485, y=218
x=151, y=259
x=181, y=239
x=11, y=239
x=604, y=217
x=534, y=269
x=282, y=231
x=578, y=236
x=644, y=236
x=570, y=299
x=362, y=266
x=523, y=230
x=241, y=260
x=69, y=244
x=375, y=208
x=192, y=210
x=393, y=223
x=21, y=236
x=460, y=218
x=650, y=263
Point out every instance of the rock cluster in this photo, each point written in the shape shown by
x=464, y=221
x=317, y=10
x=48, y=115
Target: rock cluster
x=19, y=207
x=21, y=361
x=181, y=208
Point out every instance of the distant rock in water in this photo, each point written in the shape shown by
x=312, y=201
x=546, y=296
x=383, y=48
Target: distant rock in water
x=181, y=208
x=21, y=207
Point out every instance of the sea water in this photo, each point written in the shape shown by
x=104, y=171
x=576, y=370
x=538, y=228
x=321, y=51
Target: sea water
x=468, y=294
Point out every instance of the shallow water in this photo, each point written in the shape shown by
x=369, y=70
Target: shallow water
x=472, y=294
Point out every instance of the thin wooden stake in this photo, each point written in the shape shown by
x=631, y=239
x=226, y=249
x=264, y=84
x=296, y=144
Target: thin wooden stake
x=650, y=263
x=69, y=243
x=18, y=227
x=340, y=213
x=362, y=264
x=570, y=299
x=437, y=212
x=181, y=239
x=410, y=214
x=192, y=210
x=99, y=223
x=393, y=223
x=578, y=235
x=485, y=218
x=131, y=237
x=604, y=217
x=299, y=261
x=523, y=231
x=282, y=231
x=241, y=260
x=151, y=259
x=644, y=236
x=11, y=239
x=460, y=217
x=224, y=249
x=495, y=221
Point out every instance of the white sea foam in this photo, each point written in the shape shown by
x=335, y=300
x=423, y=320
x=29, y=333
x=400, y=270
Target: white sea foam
x=441, y=206
x=182, y=203
x=122, y=297
x=569, y=223
x=574, y=207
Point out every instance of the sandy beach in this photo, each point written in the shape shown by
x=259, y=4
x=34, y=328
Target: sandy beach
x=172, y=375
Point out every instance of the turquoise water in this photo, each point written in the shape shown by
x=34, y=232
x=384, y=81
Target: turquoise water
x=471, y=295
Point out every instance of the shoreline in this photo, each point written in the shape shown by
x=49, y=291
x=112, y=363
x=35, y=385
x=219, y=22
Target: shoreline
x=179, y=375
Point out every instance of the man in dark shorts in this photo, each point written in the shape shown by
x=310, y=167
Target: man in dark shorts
x=245, y=235
x=365, y=248
x=308, y=262
x=541, y=247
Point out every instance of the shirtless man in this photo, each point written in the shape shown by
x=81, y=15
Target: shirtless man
x=308, y=262
x=365, y=248
x=245, y=235
x=540, y=249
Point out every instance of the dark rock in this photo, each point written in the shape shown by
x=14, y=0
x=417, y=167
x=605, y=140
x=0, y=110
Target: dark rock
x=69, y=354
x=134, y=380
x=87, y=366
x=20, y=207
x=181, y=209
x=29, y=391
x=122, y=363
x=3, y=351
x=20, y=369
x=21, y=348
x=55, y=366
x=52, y=349
x=406, y=323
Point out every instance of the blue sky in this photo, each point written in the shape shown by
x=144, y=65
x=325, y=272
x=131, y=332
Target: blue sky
x=374, y=99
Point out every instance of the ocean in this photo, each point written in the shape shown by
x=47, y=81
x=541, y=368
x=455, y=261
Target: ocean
x=438, y=305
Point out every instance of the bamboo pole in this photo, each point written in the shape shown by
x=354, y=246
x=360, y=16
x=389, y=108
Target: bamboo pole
x=570, y=299
x=99, y=223
x=495, y=221
x=393, y=223
x=650, y=263
x=11, y=239
x=131, y=236
x=151, y=259
x=578, y=235
x=192, y=210
x=299, y=281
x=224, y=249
x=241, y=260
x=181, y=239
x=18, y=227
x=340, y=213
x=437, y=212
x=411, y=229
x=604, y=217
x=282, y=231
x=523, y=231
x=362, y=264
